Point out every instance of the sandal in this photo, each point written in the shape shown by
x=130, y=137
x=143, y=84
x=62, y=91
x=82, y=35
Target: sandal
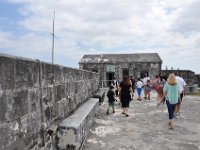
x=126, y=115
x=170, y=125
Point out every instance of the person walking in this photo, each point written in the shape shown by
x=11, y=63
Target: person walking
x=155, y=83
x=111, y=99
x=171, y=93
x=125, y=94
x=133, y=84
x=182, y=91
x=115, y=84
x=139, y=85
x=161, y=83
x=146, y=78
x=148, y=89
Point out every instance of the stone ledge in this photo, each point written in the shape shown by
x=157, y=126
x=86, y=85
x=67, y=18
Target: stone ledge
x=100, y=94
x=73, y=130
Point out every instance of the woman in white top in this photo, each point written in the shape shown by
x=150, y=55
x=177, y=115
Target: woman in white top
x=139, y=88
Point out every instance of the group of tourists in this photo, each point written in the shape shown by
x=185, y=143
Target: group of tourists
x=169, y=90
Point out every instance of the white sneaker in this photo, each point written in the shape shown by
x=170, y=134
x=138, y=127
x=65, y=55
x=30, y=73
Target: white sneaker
x=178, y=115
x=181, y=116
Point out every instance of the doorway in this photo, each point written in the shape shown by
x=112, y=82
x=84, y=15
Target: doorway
x=125, y=72
x=142, y=74
x=109, y=77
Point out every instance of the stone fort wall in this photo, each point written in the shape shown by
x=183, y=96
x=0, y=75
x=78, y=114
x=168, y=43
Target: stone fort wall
x=35, y=95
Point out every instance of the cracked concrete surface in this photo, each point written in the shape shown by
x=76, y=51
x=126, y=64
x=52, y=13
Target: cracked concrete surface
x=146, y=127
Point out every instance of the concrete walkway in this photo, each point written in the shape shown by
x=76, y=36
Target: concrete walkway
x=146, y=128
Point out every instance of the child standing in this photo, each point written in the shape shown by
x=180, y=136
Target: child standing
x=139, y=88
x=148, y=89
x=111, y=99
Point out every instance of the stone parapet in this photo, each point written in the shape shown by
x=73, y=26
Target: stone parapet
x=34, y=95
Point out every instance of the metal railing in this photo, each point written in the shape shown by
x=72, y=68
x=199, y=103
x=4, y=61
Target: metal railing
x=192, y=88
x=189, y=88
x=105, y=83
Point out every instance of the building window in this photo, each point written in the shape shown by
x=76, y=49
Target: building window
x=95, y=70
x=110, y=68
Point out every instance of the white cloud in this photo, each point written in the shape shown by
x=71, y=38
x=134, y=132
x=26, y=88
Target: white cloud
x=170, y=28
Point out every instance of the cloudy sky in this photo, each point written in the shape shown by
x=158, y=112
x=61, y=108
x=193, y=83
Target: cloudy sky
x=170, y=28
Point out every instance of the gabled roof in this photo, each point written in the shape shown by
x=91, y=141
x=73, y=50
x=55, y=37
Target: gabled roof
x=113, y=58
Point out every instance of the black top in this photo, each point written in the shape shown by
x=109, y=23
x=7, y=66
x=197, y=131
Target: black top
x=125, y=94
x=110, y=96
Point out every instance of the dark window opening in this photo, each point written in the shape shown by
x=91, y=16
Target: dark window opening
x=125, y=72
x=142, y=74
x=109, y=77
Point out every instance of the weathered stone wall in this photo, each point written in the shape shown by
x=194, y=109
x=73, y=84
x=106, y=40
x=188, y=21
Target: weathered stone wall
x=197, y=79
x=187, y=75
x=35, y=95
x=135, y=68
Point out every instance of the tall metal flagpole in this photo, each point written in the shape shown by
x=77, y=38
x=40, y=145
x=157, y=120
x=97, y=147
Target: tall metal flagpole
x=52, y=57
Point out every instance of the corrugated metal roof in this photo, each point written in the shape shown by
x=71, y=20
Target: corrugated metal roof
x=113, y=58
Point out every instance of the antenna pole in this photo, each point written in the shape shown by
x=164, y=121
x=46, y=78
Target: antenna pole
x=53, y=35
